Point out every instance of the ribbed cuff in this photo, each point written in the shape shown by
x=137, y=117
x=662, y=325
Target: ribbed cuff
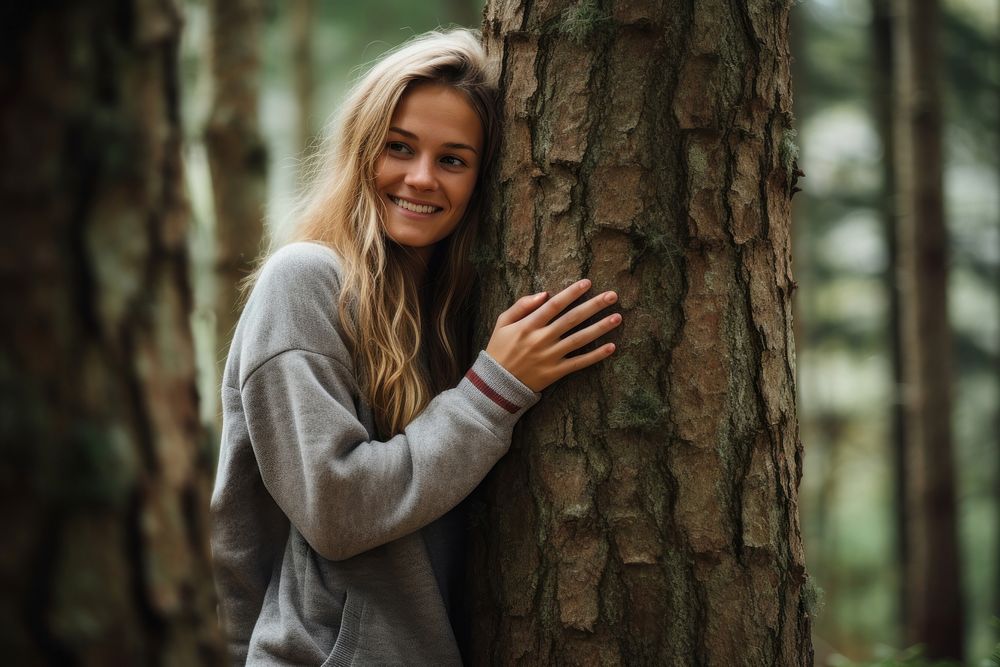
x=497, y=391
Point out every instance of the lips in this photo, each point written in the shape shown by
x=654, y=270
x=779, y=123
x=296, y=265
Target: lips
x=414, y=207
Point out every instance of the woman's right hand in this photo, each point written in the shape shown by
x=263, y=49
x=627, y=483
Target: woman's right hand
x=528, y=342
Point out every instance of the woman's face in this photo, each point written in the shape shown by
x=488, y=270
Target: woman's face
x=428, y=166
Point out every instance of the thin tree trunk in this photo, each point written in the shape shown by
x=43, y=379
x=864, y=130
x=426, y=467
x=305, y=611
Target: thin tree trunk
x=882, y=47
x=105, y=474
x=648, y=510
x=935, y=612
x=236, y=152
x=303, y=15
x=996, y=430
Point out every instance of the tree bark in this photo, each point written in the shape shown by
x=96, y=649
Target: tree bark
x=105, y=472
x=935, y=612
x=236, y=152
x=647, y=512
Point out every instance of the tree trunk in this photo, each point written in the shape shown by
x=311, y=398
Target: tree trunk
x=105, y=472
x=648, y=510
x=882, y=93
x=303, y=17
x=996, y=367
x=236, y=152
x=935, y=612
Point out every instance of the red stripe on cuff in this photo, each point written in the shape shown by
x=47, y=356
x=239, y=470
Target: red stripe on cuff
x=490, y=393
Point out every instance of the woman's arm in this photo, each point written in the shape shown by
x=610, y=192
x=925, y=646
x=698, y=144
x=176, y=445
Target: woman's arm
x=297, y=387
x=343, y=491
x=346, y=493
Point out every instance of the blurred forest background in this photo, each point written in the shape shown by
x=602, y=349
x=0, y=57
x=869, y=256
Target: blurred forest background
x=259, y=85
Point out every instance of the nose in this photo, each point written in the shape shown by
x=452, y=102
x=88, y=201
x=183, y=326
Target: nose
x=420, y=175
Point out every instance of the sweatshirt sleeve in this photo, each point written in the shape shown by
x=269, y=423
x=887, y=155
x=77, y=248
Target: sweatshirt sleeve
x=346, y=493
x=342, y=490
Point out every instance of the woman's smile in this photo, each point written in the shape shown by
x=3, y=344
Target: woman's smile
x=429, y=165
x=419, y=209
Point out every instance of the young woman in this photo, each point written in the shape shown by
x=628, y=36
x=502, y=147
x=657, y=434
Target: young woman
x=355, y=418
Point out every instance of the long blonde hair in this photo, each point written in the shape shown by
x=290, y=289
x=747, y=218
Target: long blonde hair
x=379, y=306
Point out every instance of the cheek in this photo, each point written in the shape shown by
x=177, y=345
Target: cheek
x=468, y=189
x=383, y=172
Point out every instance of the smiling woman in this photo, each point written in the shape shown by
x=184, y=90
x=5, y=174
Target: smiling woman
x=428, y=169
x=357, y=415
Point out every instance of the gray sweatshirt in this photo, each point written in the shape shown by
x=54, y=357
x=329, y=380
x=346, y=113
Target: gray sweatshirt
x=324, y=541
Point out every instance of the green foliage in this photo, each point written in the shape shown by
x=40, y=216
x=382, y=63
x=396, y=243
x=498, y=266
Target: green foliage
x=582, y=20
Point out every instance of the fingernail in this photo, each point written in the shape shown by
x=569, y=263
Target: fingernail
x=615, y=319
x=611, y=297
x=584, y=284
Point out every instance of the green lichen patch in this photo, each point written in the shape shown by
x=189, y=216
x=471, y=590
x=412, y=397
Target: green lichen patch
x=582, y=20
x=788, y=151
x=813, y=597
x=637, y=404
x=653, y=240
x=640, y=409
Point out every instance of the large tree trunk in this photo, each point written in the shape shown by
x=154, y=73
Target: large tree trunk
x=935, y=613
x=648, y=510
x=105, y=474
x=882, y=95
x=236, y=152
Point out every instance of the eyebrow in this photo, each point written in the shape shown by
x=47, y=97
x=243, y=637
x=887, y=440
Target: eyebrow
x=410, y=135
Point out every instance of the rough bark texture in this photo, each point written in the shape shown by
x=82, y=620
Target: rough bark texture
x=105, y=474
x=934, y=614
x=647, y=512
x=236, y=152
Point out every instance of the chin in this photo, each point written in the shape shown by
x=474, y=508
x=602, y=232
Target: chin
x=409, y=242
x=416, y=247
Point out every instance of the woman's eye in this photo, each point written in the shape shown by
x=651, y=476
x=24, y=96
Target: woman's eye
x=453, y=161
x=397, y=147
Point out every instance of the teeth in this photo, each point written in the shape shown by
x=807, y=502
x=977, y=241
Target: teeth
x=416, y=208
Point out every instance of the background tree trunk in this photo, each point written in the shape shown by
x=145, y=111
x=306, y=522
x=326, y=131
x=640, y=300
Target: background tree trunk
x=996, y=366
x=935, y=613
x=882, y=88
x=647, y=512
x=236, y=152
x=105, y=472
x=302, y=20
